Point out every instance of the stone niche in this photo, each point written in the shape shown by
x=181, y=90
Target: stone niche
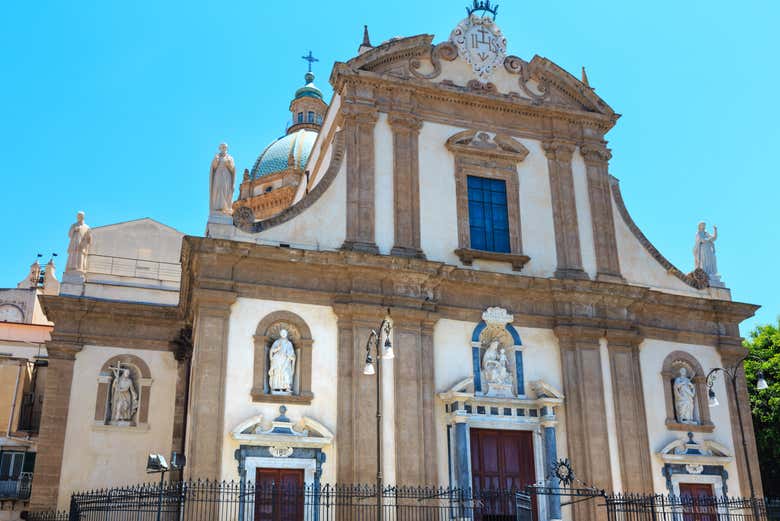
x=298, y=333
x=126, y=378
x=497, y=356
x=672, y=365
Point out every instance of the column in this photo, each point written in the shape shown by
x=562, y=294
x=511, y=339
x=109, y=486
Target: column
x=406, y=184
x=54, y=421
x=600, y=197
x=586, y=415
x=206, y=416
x=630, y=418
x=567, y=234
x=550, y=459
x=359, y=122
x=183, y=354
x=731, y=353
x=462, y=460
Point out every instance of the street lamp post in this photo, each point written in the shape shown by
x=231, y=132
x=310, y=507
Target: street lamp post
x=733, y=373
x=386, y=352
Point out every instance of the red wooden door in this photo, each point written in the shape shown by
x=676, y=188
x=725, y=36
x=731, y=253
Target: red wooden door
x=698, y=502
x=279, y=495
x=501, y=461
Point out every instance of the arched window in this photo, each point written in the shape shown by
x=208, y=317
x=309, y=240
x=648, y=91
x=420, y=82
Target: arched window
x=300, y=117
x=310, y=117
x=123, y=394
x=267, y=336
x=673, y=367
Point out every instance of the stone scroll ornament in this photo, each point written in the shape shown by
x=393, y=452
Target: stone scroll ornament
x=481, y=44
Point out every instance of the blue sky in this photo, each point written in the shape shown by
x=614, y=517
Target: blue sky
x=116, y=108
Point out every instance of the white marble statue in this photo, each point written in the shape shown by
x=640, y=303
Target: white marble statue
x=495, y=364
x=684, y=397
x=222, y=179
x=80, y=239
x=704, y=250
x=282, y=356
x=124, y=399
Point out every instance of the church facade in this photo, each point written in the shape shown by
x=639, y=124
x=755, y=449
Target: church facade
x=463, y=191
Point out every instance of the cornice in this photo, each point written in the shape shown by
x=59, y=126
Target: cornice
x=344, y=75
x=83, y=321
x=435, y=289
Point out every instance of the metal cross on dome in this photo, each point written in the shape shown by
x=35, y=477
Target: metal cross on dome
x=310, y=58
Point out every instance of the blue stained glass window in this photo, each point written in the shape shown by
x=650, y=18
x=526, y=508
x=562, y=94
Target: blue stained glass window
x=488, y=217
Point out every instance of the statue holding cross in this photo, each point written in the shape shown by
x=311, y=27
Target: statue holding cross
x=310, y=58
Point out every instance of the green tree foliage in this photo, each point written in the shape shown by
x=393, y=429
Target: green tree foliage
x=764, y=343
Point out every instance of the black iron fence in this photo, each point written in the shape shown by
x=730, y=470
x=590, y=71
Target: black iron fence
x=630, y=507
x=232, y=501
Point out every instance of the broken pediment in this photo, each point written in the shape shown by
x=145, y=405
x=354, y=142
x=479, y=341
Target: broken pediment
x=281, y=431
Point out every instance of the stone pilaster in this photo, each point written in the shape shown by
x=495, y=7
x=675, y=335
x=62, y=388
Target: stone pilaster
x=567, y=234
x=600, y=197
x=206, y=415
x=586, y=417
x=54, y=421
x=406, y=184
x=413, y=346
x=356, y=400
x=630, y=418
x=359, y=123
x=731, y=353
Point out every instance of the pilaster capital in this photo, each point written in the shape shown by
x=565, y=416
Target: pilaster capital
x=62, y=350
x=404, y=122
x=360, y=114
x=595, y=154
x=578, y=337
x=731, y=351
x=557, y=150
x=623, y=338
x=213, y=300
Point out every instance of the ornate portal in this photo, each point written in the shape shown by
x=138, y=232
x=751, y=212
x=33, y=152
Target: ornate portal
x=481, y=44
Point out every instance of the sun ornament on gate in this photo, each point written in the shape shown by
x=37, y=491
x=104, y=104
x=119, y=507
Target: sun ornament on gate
x=563, y=471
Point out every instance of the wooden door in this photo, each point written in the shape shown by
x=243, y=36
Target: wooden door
x=698, y=502
x=501, y=461
x=279, y=495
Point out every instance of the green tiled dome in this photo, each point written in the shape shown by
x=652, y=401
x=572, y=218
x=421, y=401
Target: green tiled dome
x=291, y=150
x=309, y=89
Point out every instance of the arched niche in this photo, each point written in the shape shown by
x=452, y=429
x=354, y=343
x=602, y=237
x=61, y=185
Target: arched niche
x=266, y=334
x=496, y=324
x=671, y=370
x=142, y=382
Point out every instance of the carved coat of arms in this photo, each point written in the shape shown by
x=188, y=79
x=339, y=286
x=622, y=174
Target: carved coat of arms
x=481, y=44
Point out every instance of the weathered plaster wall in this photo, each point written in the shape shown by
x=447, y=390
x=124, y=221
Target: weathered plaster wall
x=321, y=226
x=584, y=222
x=639, y=267
x=383, y=190
x=244, y=318
x=652, y=355
x=103, y=456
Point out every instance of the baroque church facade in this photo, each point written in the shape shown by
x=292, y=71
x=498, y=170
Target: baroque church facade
x=463, y=191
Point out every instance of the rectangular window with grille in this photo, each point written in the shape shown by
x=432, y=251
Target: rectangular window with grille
x=488, y=217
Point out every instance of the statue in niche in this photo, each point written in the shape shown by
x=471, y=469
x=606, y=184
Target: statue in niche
x=80, y=237
x=704, y=251
x=124, y=399
x=684, y=397
x=495, y=365
x=282, y=356
x=222, y=178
